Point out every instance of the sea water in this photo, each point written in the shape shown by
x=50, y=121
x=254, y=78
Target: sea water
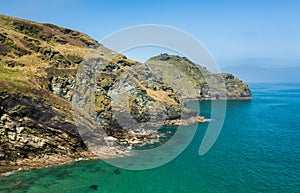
x=258, y=150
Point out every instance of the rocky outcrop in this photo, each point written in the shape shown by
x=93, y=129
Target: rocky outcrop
x=236, y=89
x=208, y=85
x=31, y=127
x=39, y=68
x=62, y=86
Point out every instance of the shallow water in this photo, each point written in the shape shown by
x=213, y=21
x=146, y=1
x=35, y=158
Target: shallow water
x=258, y=150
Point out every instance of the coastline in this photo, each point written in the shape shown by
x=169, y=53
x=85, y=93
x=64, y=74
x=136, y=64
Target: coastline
x=103, y=152
x=218, y=99
x=53, y=160
x=37, y=124
x=177, y=122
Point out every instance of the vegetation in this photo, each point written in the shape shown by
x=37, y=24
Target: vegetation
x=40, y=68
x=206, y=84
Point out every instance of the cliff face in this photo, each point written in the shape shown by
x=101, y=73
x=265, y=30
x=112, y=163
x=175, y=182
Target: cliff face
x=207, y=84
x=31, y=126
x=38, y=68
x=34, y=120
x=38, y=65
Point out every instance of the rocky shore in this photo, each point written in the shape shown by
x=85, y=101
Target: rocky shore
x=41, y=76
x=249, y=98
x=112, y=148
x=142, y=136
x=176, y=122
x=52, y=160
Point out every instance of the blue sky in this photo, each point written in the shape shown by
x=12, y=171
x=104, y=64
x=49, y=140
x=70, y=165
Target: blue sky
x=257, y=40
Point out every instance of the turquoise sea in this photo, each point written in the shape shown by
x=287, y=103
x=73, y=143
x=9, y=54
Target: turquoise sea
x=258, y=150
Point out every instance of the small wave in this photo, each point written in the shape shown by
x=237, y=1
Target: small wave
x=11, y=172
x=208, y=120
x=276, y=104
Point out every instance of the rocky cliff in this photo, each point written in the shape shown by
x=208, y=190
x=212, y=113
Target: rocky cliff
x=38, y=72
x=207, y=85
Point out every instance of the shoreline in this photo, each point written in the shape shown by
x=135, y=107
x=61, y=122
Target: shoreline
x=177, y=122
x=53, y=160
x=104, y=152
x=218, y=99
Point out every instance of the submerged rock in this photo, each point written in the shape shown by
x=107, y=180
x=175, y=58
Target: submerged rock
x=94, y=187
x=117, y=171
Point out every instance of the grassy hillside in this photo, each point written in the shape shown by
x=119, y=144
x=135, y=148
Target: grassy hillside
x=40, y=76
x=38, y=66
x=206, y=84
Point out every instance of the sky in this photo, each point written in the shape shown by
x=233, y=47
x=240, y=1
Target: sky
x=257, y=40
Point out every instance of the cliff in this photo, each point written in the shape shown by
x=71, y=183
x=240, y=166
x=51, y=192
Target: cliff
x=207, y=85
x=38, y=69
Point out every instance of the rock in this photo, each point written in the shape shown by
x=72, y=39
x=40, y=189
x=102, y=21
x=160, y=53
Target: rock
x=94, y=187
x=75, y=59
x=36, y=114
x=209, y=85
x=62, y=86
x=117, y=171
x=27, y=27
x=110, y=140
x=88, y=43
x=66, y=30
x=60, y=40
x=4, y=49
x=13, y=64
x=28, y=129
x=2, y=38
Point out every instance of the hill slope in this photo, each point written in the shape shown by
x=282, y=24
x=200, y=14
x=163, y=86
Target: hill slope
x=34, y=122
x=207, y=84
x=39, y=67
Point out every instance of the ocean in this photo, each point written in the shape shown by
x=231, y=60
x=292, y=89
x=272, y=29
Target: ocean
x=258, y=150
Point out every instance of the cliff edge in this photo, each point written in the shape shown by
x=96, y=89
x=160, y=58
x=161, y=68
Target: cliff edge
x=38, y=69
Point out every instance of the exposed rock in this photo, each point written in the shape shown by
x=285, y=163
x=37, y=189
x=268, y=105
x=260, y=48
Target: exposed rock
x=62, y=86
x=29, y=127
x=13, y=64
x=33, y=134
x=4, y=49
x=31, y=44
x=60, y=40
x=88, y=43
x=75, y=59
x=209, y=85
x=37, y=128
x=35, y=124
x=27, y=28
x=2, y=38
